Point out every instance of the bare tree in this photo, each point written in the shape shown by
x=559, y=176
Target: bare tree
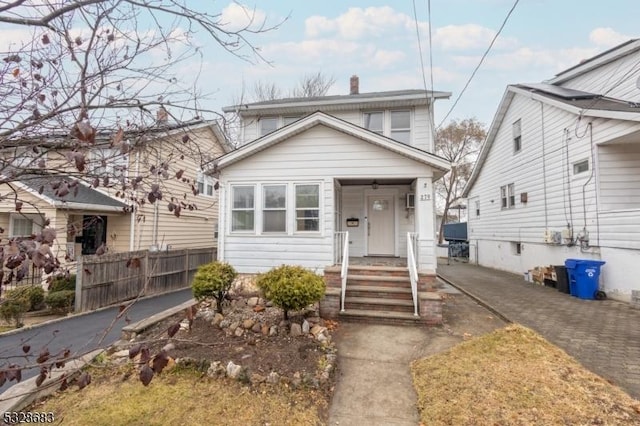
x=459, y=143
x=312, y=85
x=87, y=82
x=263, y=91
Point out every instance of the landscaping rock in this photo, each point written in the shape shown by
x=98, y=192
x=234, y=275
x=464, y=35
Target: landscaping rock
x=257, y=379
x=258, y=308
x=168, y=347
x=206, y=314
x=296, y=330
x=317, y=330
x=184, y=324
x=234, y=326
x=239, y=332
x=273, y=330
x=248, y=323
x=264, y=330
x=216, y=370
x=296, y=381
x=305, y=327
x=233, y=370
x=252, y=301
x=225, y=323
x=273, y=378
x=217, y=320
x=257, y=328
x=121, y=354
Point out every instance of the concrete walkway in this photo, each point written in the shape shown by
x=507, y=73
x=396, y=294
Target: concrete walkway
x=602, y=335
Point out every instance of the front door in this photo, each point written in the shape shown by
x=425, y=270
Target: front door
x=94, y=233
x=381, y=225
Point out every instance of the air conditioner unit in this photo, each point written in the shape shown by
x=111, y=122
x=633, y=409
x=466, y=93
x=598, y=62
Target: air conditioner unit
x=411, y=201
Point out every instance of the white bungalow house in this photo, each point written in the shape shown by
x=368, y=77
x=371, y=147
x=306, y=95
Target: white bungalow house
x=319, y=181
x=559, y=174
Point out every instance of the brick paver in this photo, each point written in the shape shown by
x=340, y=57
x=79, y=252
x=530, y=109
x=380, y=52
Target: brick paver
x=602, y=335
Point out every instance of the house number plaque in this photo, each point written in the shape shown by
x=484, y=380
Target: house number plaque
x=425, y=197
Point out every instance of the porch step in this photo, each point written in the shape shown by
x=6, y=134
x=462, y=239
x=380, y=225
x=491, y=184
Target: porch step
x=380, y=317
x=378, y=270
x=379, y=280
x=378, y=304
x=378, y=291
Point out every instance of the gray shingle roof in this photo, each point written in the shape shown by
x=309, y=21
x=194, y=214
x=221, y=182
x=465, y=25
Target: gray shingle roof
x=580, y=99
x=86, y=195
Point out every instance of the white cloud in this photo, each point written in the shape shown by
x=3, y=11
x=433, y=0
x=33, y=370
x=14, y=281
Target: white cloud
x=607, y=37
x=312, y=49
x=469, y=36
x=357, y=23
x=386, y=58
x=236, y=17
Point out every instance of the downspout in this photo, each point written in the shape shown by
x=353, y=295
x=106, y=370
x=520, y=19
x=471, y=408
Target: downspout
x=544, y=170
x=132, y=226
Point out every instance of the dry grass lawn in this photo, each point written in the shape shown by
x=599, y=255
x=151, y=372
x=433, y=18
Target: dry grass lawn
x=513, y=376
x=180, y=397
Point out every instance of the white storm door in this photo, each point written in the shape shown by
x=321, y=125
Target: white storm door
x=381, y=225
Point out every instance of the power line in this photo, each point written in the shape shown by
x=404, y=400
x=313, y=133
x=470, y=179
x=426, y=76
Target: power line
x=495, y=37
x=415, y=18
x=424, y=77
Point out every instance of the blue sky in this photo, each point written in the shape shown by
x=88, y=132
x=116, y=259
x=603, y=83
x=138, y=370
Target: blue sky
x=377, y=41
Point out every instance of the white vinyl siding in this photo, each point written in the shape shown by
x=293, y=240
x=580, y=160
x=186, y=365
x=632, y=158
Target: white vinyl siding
x=619, y=177
x=421, y=127
x=318, y=155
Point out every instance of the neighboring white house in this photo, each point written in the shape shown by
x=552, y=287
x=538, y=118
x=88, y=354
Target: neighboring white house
x=559, y=174
x=311, y=168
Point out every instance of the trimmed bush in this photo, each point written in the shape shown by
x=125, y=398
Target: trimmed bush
x=213, y=279
x=61, y=301
x=291, y=288
x=12, y=310
x=62, y=282
x=32, y=294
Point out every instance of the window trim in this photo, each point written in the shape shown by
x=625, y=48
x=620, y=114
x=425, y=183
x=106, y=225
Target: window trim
x=232, y=209
x=477, y=207
x=517, y=135
x=33, y=217
x=268, y=118
x=410, y=128
x=382, y=121
x=507, y=196
x=576, y=164
x=206, y=181
x=113, y=158
x=264, y=209
x=295, y=208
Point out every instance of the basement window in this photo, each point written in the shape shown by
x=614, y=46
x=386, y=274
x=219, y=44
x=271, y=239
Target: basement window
x=516, y=248
x=581, y=167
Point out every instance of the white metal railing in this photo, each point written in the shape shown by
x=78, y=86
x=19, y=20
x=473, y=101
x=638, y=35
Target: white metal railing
x=341, y=254
x=412, y=245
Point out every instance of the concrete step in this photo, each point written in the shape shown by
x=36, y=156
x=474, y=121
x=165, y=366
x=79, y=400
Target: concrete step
x=378, y=270
x=380, y=317
x=379, y=304
x=378, y=292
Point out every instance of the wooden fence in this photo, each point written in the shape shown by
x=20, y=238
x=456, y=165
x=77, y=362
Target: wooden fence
x=113, y=278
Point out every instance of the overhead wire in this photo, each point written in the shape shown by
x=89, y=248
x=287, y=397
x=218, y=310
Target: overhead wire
x=422, y=67
x=484, y=55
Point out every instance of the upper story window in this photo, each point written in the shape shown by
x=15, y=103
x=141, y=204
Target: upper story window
x=268, y=125
x=206, y=184
x=27, y=158
x=109, y=161
x=517, y=136
x=374, y=121
x=393, y=124
x=401, y=126
x=290, y=119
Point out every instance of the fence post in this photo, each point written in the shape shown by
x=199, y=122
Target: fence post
x=145, y=274
x=186, y=268
x=79, y=274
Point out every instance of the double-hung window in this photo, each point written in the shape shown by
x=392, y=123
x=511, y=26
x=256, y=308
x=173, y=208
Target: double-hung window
x=22, y=225
x=274, y=208
x=206, y=184
x=307, y=207
x=401, y=126
x=507, y=196
x=268, y=125
x=242, y=207
x=374, y=121
x=109, y=162
x=517, y=136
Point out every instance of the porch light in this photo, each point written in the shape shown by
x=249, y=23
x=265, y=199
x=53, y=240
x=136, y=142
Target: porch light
x=374, y=185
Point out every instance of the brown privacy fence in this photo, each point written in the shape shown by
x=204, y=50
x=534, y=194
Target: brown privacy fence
x=114, y=278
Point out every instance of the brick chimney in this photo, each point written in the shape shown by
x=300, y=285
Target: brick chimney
x=354, y=85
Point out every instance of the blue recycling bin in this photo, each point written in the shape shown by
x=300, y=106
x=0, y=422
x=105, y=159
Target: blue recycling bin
x=584, y=276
